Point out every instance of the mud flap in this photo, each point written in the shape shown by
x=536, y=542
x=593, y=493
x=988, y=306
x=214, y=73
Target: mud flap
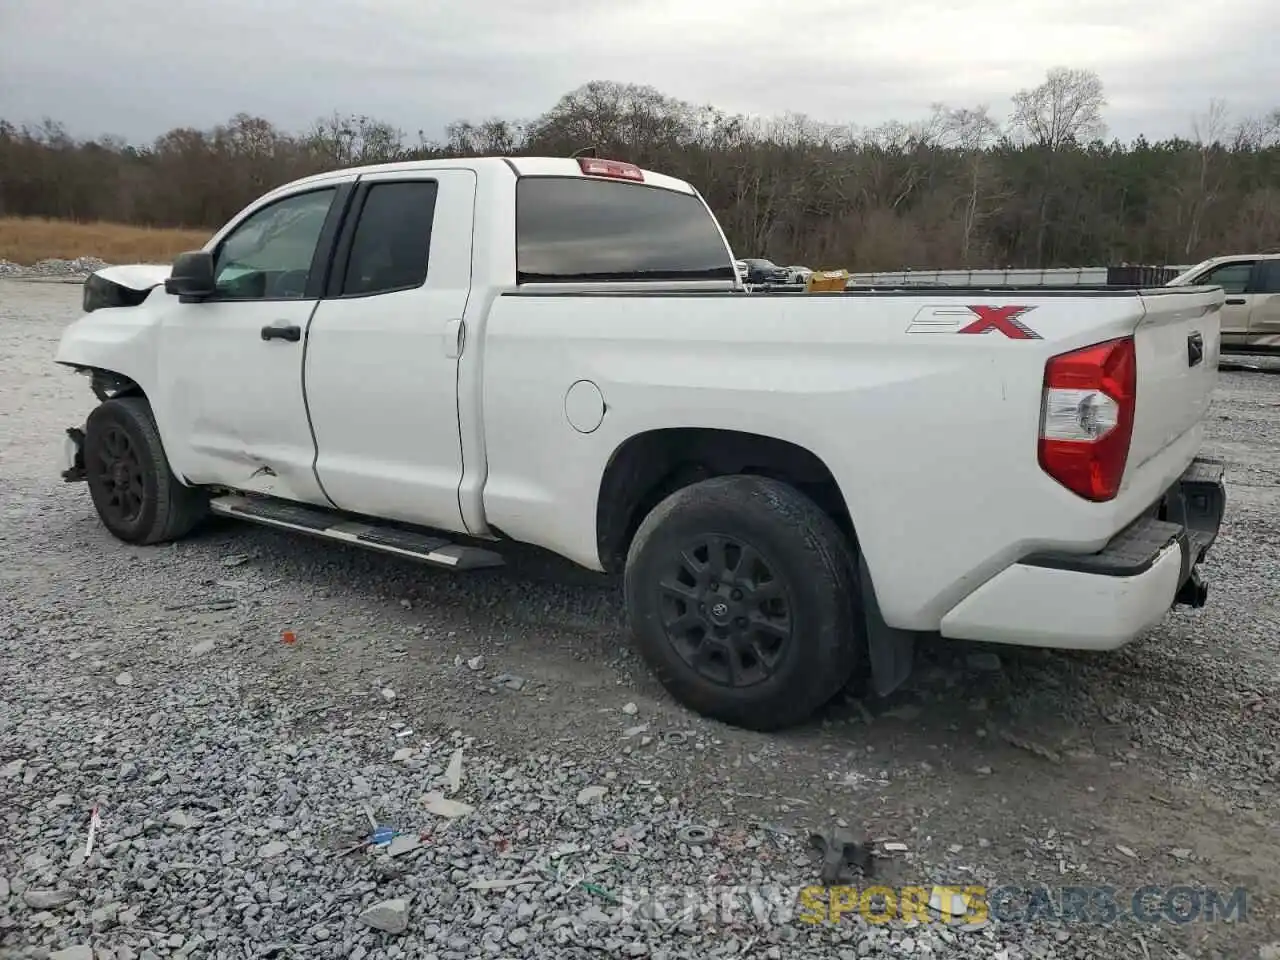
x=891, y=651
x=73, y=455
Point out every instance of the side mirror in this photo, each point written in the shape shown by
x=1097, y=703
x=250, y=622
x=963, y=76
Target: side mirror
x=191, y=278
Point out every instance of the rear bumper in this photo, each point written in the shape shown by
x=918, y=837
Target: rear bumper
x=1102, y=600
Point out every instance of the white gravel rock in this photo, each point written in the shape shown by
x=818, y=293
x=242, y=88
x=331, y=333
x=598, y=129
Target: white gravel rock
x=389, y=916
x=589, y=795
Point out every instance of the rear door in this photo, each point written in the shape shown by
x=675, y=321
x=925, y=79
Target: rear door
x=1264, y=305
x=382, y=351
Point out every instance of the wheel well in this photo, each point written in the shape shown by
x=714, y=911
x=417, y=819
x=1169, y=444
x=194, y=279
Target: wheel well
x=107, y=384
x=651, y=466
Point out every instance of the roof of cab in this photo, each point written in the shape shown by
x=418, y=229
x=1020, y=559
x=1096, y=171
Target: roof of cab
x=522, y=166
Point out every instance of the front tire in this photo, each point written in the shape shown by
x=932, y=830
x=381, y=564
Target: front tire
x=743, y=600
x=137, y=496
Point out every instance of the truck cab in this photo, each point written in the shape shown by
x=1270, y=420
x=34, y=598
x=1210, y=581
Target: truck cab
x=1251, y=312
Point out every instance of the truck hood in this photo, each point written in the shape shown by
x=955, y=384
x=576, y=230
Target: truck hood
x=136, y=276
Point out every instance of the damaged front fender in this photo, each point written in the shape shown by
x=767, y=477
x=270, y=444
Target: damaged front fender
x=117, y=346
x=136, y=276
x=124, y=286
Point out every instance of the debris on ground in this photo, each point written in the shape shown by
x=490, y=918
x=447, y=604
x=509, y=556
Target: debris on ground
x=453, y=772
x=1030, y=746
x=695, y=833
x=843, y=859
x=442, y=806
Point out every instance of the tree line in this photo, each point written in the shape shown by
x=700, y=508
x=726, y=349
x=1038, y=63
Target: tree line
x=959, y=188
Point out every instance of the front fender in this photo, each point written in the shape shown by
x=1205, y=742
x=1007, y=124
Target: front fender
x=136, y=276
x=122, y=340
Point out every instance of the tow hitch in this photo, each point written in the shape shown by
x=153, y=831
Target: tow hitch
x=1193, y=592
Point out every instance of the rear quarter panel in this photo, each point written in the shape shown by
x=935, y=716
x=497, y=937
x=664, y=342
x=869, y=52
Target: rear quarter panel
x=930, y=434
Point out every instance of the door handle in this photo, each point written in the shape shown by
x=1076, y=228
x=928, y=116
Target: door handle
x=455, y=336
x=1236, y=301
x=1195, y=349
x=282, y=331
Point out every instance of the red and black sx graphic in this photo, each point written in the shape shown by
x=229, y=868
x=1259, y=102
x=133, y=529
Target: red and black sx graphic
x=1004, y=319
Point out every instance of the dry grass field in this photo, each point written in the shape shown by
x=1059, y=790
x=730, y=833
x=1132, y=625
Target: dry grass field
x=27, y=240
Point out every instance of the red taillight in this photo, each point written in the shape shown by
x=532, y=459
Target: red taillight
x=1086, y=417
x=618, y=169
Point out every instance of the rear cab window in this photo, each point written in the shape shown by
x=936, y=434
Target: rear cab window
x=584, y=230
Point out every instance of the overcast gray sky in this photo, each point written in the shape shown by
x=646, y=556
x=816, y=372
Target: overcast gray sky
x=139, y=67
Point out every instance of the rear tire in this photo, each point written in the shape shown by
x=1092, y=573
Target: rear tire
x=743, y=600
x=137, y=496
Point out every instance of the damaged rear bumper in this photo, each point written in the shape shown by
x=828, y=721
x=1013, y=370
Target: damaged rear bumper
x=73, y=455
x=1186, y=518
x=1100, y=601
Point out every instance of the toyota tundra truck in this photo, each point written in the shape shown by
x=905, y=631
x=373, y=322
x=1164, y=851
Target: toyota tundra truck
x=429, y=359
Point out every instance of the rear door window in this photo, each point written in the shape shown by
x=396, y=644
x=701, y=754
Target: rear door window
x=392, y=240
x=576, y=230
x=1269, y=281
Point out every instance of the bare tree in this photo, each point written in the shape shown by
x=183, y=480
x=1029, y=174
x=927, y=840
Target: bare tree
x=970, y=131
x=1066, y=108
x=1063, y=111
x=949, y=190
x=1205, y=173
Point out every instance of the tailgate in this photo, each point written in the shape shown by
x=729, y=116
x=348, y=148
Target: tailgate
x=1177, y=359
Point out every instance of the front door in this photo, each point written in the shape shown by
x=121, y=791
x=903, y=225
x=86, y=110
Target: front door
x=383, y=349
x=1233, y=278
x=231, y=366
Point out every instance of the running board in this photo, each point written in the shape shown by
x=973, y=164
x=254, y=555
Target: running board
x=332, y=525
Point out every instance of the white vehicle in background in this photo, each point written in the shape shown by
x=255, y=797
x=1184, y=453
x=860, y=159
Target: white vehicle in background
x=1251, y=311
x=429, y=359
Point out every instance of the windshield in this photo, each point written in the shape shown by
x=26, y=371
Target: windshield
x=1182, y=278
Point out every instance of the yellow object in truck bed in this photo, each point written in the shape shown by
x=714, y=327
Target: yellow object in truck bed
x=827, y=281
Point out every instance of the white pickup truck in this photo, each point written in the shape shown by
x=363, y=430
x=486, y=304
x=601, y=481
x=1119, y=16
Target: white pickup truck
x=430, y=358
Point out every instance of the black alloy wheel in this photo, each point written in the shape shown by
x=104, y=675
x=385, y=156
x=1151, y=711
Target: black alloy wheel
x=725, y=612
x=117, y=469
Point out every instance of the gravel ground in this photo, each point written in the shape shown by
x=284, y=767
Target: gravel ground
x=73, y=270
x=237, y=776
